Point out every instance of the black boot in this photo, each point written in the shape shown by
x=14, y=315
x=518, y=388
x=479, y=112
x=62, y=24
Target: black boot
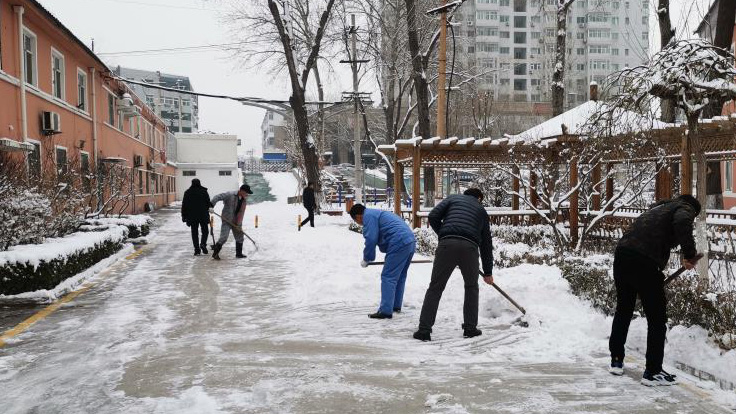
x=379, y=315
x=216, y=251
x=471, y=331
x=204, y=248
x=422, y=335
x=239, y=250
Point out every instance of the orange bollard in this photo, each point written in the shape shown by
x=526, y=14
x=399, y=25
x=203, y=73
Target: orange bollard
x=256, y=222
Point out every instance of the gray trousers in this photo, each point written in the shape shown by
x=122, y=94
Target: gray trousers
x=452, y=253
x=225, y=230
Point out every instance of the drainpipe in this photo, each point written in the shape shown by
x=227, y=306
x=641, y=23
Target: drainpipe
x=94, y=115
x=19, y=10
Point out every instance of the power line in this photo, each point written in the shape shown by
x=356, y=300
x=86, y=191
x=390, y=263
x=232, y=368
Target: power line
x=172, y=49
x=167, y=6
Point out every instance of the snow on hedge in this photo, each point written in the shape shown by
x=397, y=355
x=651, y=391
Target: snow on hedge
x=138, y=220
x=61, y=248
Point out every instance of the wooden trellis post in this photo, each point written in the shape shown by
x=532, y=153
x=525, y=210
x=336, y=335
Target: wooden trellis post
x=609, y=184
x=533, y=196
x=686, y=166
x=415, y=187
x=515, y=197
x=597, y=187
x=398, y=181
x=574, y=202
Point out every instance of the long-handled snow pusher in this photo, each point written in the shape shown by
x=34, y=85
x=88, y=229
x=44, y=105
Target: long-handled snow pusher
x=212, y=231
x=413, y=262
x=513, y=302
x=238, y=228
x=680, y=271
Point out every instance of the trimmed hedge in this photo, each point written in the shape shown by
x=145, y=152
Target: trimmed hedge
x=25, y=277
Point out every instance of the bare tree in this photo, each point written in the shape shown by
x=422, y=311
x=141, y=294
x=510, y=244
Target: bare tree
x=666, y=35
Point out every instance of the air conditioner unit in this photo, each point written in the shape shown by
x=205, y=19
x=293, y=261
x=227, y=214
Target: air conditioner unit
x=50, y=123
x=470, y=23
x=125, y=101
x=137, y=161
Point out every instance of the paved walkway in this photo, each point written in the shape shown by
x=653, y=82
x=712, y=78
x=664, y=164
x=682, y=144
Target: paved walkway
x=166, y=332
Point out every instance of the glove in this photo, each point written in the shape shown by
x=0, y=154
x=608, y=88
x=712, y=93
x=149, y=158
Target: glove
x=211, y=210
x=363, y=263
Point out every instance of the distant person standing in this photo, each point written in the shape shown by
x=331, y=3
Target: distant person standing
x=195, y=212
x=462, y=225
x=233, y=210
x=393, y=237
x=641, y=255
x=309, y=203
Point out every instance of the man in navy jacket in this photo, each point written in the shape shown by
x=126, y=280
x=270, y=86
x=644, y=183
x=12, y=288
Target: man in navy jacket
x=462, y=225
x=393, y=237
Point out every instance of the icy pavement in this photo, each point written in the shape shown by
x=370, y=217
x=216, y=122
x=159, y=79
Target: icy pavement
x=286, y=331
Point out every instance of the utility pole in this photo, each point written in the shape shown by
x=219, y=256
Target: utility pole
x=356, y=120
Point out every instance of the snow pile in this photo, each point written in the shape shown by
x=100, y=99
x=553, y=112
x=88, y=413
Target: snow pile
x=22, y=216
x=138, y=220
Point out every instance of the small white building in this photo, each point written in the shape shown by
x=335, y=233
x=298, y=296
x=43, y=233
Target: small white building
x=212, y=158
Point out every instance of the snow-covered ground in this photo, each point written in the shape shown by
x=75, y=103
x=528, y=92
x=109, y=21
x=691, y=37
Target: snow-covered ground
x=286, y=330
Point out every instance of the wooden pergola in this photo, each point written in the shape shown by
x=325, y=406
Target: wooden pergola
x=718, y=137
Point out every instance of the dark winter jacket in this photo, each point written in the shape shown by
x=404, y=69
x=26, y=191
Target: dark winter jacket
x=463, y=216
x=195, y=205
x=660, y=229
x=308, y=199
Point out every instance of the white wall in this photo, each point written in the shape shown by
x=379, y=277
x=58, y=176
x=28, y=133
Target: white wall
x=206, y=148
x=209, y=178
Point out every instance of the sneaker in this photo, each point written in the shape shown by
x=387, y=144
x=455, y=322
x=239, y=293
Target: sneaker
x=422, y=336
x=379, y=315
x=397, y=310
x=471, y=332
x=660, y=378
x=204, y=249
x=617, y=366
x=197, y=253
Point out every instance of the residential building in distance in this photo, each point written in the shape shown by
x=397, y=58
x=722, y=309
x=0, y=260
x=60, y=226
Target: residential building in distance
x=513, y=43
x=212, y=158
x=273, y=137
x=179, y=110
x=61, y=108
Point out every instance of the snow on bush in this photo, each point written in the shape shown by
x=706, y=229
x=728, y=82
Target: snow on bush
x=22, y=216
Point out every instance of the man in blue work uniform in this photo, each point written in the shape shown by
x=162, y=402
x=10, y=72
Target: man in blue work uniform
x=395, y=238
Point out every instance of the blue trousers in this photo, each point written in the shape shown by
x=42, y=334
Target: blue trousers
x=393, y=278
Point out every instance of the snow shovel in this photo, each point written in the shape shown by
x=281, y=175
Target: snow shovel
x=679, y=271
x=513, y=302
x=212, y=231
x=238, y=228
x=413, y=262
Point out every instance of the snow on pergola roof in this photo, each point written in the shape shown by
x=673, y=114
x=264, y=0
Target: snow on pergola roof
x=575, y=122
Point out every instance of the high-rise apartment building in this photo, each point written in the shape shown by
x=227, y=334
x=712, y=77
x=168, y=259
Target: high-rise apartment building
x=179, y=110
x=514, y=42
x=273, y=137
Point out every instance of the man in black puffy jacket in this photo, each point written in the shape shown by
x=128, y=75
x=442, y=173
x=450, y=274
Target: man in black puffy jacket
x=195, y=212
x=462, y=225
x=309, y=203
x=641, y=255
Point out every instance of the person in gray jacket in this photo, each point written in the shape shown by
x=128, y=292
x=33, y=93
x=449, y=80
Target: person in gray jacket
x=462, y=225
x=233, y=209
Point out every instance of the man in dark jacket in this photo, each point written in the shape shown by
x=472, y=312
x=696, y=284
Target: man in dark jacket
x=195, y=212
x=309, y=203
x=462, y=225
x=641, y=255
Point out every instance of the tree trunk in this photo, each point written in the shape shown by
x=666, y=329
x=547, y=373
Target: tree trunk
x=421, y=90
x=666, y=34
x=701, y=235
x=558, y=75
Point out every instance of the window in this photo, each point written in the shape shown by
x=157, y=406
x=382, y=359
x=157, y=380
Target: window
x=519, y=5
x=226, y=173
x=536, y=35
x=34, y=160
x=505, y=35
x=549, y=32
x=189, y=173
x=519, y=68
x=504, y=3
x=150, y=101
x=729, y=175
x=503, y=50
x=57, y=74
x=81, y=90
x=519, y=84
x=111, y=109
x=84, y=169
x=599, y=49
x=120, y=121
x=580, y=35
x=186, y=103
x=614, y=52
x=626, y=52
x=520, y=22
x=534, y=82
x=486, y=15
x=597, y=18
x=614, y=36
x=487, y=31
x=645, y=36
x=599, y=65
x=581, y=20
x=29, y=58
x=504, y=19
x=580, y=66
x=61, y=164
x=580, y=51
x=519, y=37
x=627, y=21
x=519, y=53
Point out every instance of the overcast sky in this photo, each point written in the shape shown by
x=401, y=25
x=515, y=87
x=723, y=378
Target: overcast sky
x=134, y=25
